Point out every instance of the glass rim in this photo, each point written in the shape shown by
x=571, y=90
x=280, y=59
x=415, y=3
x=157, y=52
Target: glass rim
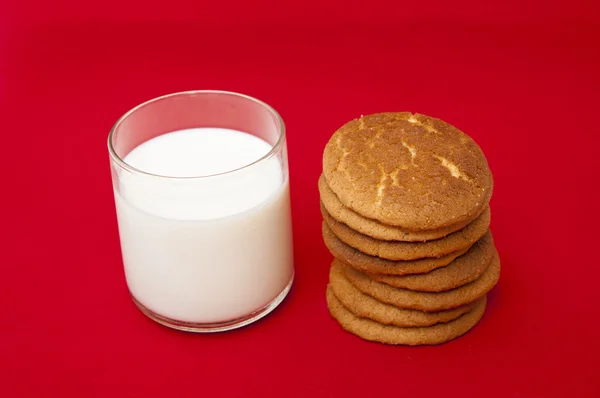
x=117, y=159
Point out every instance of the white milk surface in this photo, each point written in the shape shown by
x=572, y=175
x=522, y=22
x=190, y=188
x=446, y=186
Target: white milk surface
x=205, y=250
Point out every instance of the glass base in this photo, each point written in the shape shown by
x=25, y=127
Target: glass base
x=217, y=327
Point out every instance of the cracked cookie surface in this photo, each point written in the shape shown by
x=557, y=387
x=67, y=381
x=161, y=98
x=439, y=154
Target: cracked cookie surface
x=376, y=229
x=407, y=170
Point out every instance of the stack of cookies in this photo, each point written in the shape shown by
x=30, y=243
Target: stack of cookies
x=405, y=201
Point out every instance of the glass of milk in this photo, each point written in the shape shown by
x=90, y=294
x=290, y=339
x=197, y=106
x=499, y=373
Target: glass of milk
x=202, y=197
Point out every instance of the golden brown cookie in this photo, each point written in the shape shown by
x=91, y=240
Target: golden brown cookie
x=463, y=270
x=407, y=170
x=396, y=250
x=376, y=265
x=374, y=331
x=366, y=306
x=426, y=301
x=374, y=228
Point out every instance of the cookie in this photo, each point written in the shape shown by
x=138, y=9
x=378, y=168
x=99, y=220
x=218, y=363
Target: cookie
x=426, y=301
x=463, y=270
x=376, y=265
x=374, y=228
x=396, y=250
x=388, y=334
x=407, y=170
x=366, y=306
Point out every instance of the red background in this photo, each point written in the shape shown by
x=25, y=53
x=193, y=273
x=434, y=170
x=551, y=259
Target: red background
x=520, y=77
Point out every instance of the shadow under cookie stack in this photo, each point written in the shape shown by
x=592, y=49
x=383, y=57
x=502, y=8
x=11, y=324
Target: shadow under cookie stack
x=405, y=202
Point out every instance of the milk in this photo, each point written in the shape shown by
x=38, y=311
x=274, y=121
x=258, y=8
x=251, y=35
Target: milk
x=205, y=250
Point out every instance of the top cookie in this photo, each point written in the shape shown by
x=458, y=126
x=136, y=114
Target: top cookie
x=406, y=170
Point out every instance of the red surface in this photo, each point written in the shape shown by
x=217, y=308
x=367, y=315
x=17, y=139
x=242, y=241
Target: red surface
x=521, y=78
